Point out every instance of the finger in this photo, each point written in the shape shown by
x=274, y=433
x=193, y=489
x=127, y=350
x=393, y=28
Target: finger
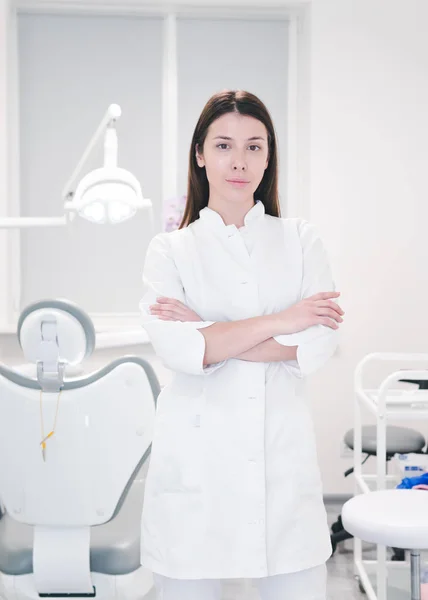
x=155, y=307
x=331, y=305
x=324, y=296
x=165, y=312
x=166, y=306
x=328, y=312
x=335, y=307
x=178, y=310
x=328, y=322
x=173, y=301
x=174, y=304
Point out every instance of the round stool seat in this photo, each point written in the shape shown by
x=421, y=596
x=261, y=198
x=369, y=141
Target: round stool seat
x=394, y=518
x=399, y=440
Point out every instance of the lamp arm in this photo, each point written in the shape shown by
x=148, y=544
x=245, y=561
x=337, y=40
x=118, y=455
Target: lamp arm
x=113, y=113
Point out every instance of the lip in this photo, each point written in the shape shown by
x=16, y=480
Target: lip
x=239, y=182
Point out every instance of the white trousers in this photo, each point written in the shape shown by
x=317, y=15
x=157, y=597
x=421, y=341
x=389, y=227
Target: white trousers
x=305, y=585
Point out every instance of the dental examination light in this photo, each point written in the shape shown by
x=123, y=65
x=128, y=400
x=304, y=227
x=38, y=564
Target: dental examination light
x=106, y=195
x=109, y=194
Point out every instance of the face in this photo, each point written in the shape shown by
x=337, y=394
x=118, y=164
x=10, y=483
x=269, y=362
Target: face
x=235, y=156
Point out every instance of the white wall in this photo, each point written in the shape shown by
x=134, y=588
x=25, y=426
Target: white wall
x=369, y=157
x=3, y=144
x=8, y=118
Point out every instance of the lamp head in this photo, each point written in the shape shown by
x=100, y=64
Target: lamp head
x=108, y=195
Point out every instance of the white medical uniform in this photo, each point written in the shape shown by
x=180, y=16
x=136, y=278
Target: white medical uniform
x=233, y=488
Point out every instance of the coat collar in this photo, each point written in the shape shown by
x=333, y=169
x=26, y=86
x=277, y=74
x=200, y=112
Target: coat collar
x=214, y=220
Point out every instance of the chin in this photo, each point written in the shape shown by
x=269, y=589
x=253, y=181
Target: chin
x=238, y=193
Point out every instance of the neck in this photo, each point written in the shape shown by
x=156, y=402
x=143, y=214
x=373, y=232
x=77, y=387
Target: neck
x=232, y=213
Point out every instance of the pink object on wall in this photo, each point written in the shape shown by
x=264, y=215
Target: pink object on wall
x=173, y=211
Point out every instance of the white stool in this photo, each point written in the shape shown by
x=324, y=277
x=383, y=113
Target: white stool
x=395, y=518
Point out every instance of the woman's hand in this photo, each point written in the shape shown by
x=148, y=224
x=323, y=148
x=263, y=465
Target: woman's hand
x=170, y=309
x=316, y=310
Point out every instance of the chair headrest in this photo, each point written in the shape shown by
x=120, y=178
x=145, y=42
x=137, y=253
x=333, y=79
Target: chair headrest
x=58, y=323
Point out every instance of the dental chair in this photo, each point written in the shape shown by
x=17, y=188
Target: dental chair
x=73, y=458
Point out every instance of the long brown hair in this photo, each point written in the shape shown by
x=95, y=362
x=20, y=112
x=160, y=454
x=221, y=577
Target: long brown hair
x=221, y=103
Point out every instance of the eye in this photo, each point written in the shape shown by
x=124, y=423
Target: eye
x=222, y=146
x=253, y=146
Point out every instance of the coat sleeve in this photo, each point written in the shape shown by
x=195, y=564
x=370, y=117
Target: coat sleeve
x=179, y=345
x=317, y=344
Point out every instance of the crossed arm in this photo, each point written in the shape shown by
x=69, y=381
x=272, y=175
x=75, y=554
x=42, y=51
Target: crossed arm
x=170, y=309
x=269, y=351
x=181, y=346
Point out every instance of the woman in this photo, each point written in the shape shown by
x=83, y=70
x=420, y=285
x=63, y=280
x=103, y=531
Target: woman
x=239, y=304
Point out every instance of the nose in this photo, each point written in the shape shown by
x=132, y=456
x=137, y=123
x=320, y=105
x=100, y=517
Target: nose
x=238, y=162
x=239, y=166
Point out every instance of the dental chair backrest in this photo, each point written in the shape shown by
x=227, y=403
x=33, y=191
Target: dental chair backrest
x=102, y=424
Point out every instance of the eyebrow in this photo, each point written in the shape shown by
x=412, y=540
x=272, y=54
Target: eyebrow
x=251, y=139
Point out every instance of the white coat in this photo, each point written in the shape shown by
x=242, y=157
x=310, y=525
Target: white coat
x=233, y=488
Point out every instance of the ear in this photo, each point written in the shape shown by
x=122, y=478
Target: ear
x=199, y=157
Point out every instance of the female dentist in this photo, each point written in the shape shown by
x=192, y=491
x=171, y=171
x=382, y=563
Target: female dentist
x=240, y=304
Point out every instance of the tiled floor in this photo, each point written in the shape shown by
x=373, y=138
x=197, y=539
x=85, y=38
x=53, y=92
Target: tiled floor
x=341, y=582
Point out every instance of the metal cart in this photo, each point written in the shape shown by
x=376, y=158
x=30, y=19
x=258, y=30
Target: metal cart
x=388, y=404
